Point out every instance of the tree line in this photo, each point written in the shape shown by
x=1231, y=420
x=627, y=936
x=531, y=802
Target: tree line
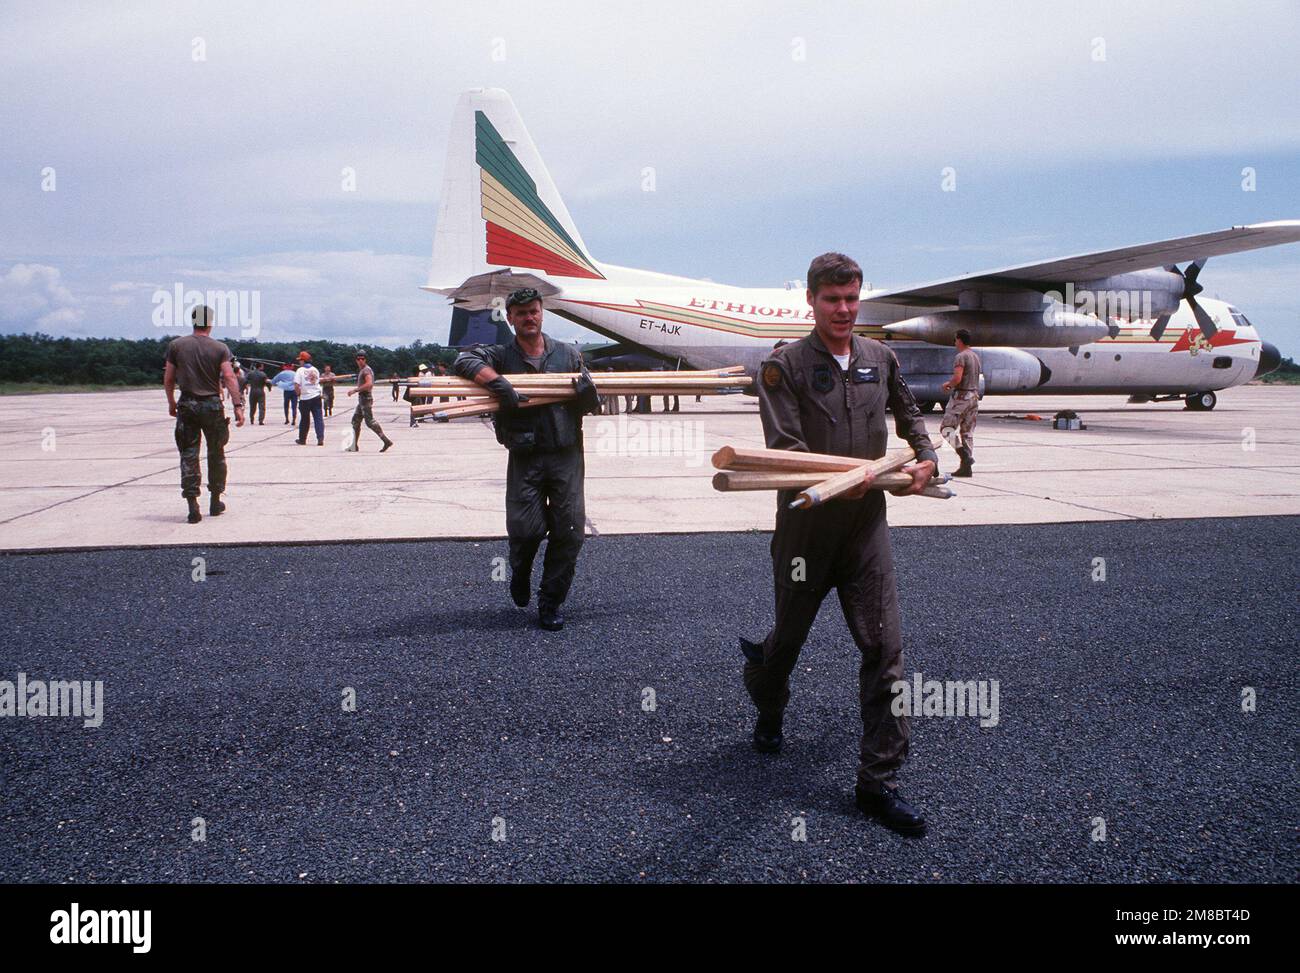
x=42, y=358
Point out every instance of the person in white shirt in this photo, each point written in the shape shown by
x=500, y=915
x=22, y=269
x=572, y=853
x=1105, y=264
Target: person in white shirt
x=242, y=378
x=306, y=382
x=425, y=381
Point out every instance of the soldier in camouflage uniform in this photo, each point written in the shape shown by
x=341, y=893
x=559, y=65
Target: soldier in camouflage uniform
x=257, y=383
x=827, y=393
x=201, y=366
x=365, y=393
x=963, y=406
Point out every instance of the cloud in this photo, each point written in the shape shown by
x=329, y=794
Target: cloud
x=343, y=295
x=709, y=94
x=120, y=286
x=347, y=295
x=253, y=273
x=34, y=298
x=775, y=131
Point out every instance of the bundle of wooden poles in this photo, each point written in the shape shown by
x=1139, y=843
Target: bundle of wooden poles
x=547, y=388
x=818, y=477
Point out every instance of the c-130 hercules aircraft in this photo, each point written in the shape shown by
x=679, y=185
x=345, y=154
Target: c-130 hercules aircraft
x=1124, y=321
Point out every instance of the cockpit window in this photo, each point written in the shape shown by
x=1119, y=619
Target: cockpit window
x=1239, y=318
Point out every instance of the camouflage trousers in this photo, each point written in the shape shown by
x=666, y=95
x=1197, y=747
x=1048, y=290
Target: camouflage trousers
x=195, y=419
x=363, y=413
x=960, y=414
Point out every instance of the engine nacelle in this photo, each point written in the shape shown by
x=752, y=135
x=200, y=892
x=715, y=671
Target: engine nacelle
x=1053, y=327
x=926, y=388
x=1003, y=370
x=1141, y=294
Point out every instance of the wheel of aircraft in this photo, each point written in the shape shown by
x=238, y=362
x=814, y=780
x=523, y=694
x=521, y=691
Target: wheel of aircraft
x=1202, y=401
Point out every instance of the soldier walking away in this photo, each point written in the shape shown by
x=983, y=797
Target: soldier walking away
x=963, y=408
x=544, y=475
x=365, y=393
x=306, y=385
x=327, y=379
x=200, y=366
x=257, y=383
x=827, y=393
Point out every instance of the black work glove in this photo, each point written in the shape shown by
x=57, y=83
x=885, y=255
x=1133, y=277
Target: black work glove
x=588, y=399
x=505, y=393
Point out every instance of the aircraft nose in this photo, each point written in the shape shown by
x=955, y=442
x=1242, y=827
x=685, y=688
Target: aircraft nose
x=1269, y=358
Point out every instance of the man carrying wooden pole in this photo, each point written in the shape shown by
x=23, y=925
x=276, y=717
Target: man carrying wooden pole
x=827, y=393
x=544, y=476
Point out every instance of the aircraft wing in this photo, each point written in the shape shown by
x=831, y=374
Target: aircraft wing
x=1054, y=274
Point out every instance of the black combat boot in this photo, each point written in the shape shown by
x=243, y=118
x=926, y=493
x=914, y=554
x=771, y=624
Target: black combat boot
x=549, y=617
x=888, y=806
x=767, y=734
x=215, y=507
x=194, y=516
x=966, y=462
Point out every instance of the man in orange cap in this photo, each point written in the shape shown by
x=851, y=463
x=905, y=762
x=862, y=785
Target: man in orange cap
x=306, y=383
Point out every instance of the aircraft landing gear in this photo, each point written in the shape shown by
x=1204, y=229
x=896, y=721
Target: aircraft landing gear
x=927, y=407
x=1201, y=401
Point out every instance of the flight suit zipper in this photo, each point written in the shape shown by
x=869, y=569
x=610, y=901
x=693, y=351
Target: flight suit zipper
x=848, y=405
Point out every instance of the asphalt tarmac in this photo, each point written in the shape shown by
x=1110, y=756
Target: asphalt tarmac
x=1121, y=753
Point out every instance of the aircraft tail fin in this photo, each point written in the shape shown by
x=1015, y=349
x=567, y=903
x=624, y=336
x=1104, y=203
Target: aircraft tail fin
x=499, y=208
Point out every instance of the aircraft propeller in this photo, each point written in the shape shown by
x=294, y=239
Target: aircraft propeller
x=1190, y=289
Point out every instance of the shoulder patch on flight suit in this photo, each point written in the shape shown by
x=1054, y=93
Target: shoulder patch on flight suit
x=868, y=374
x=771, y=374
x=822, y=380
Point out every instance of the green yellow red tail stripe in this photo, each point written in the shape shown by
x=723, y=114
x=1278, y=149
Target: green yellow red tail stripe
x=521, y=229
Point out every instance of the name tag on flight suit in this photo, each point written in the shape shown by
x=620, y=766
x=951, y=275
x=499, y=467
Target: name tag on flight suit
x=861, y=375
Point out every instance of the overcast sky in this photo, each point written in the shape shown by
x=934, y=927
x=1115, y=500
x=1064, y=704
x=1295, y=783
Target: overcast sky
x=776, y=131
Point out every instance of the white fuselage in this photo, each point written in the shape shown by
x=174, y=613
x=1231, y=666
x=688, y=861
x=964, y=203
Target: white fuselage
x=707, y=325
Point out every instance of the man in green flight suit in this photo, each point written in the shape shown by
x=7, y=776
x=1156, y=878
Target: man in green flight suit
x=827, y=393
x=544, y=475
